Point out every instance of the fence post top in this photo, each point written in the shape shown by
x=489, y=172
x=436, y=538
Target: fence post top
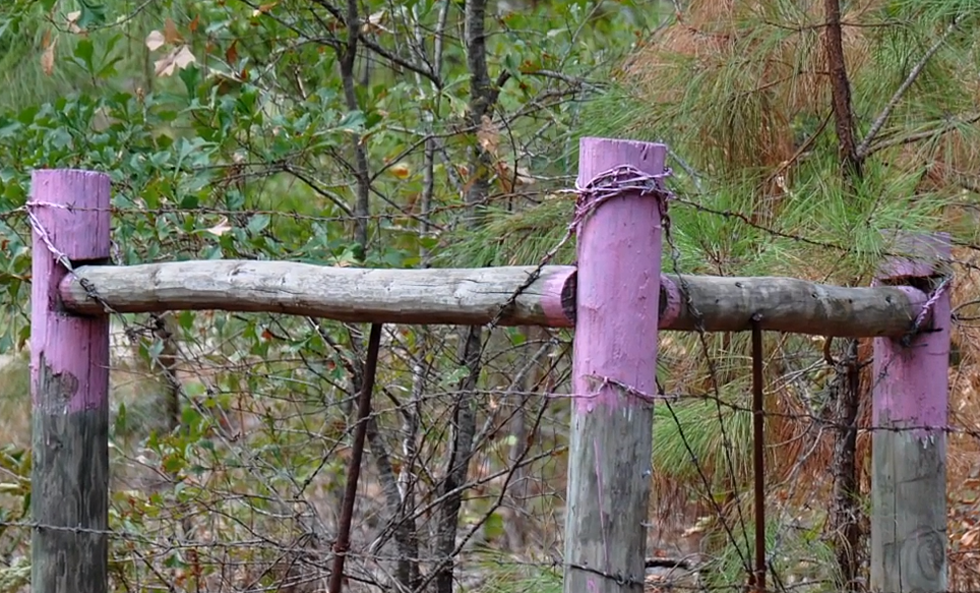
x=69, y=212
x=66, y=175
x=70, y=187
x=598, y=155
x=917, y=254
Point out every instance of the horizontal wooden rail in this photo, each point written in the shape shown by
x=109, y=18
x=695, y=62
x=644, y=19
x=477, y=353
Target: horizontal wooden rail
x=435, y=296
x=474, y=296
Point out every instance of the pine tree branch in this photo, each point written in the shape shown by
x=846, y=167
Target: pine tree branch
x=923, y=135
x=864, y=149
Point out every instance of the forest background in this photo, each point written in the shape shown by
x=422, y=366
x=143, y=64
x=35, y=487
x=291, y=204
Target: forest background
x=439, y=133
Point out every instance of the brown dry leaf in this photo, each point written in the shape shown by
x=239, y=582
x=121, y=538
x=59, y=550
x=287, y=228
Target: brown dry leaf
x=374, y=23
x=178, y=59
x=488, y=135
x=170, y=33
x=524, y=176
x=194, y=24
x=221, y=228
x=47, y=58
x=504, y=178
x=231, y=54
x=521, y=178
x=263, y=9
x=155, y=40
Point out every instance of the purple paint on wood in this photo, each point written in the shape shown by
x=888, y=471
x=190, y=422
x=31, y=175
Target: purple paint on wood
x=910, y=399
x=670, y=308
x=552, y=298
x=617, y=287
x=71, y=209
x=912, y=382
x=618, y=280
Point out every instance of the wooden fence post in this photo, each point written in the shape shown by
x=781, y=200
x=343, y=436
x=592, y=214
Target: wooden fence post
x=615, y=361
x=69, y=213
x=911, y=393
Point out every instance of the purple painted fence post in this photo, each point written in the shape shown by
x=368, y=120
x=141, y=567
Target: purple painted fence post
x=69, y=389
x=908, y=464
x=615, y=362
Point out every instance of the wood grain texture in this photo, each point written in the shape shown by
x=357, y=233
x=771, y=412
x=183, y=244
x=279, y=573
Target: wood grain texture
x=69, y=390
x=908, y=461
x=908, y=518
x=473, y=296
x=432, y=296
x=787, y=305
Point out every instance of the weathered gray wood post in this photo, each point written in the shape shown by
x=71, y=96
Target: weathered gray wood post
x=615, y=359
x=910, y=404
x=69, y=213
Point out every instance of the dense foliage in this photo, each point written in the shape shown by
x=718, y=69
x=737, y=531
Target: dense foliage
x=394, y=134
x=359, y=134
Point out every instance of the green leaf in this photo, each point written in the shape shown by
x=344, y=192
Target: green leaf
x=120, y=423
x=353, y=121
x=186, y=319
x=84, y=52
x=191, y=77
x=190, y=202
x=172, y=464
x=493, y=527
x=92, y=14
x=258, y=223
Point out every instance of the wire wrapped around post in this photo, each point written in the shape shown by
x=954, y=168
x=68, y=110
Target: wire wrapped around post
x=619, y=219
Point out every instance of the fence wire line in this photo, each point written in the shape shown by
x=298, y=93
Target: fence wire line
x=678, y=200
x=670, y=400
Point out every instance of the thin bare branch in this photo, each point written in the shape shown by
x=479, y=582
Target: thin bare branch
x=864, y=148
x=375, y=47
x=923, y=135
x=315, y=186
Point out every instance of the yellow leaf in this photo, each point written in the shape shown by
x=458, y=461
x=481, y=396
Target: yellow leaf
x=155, y=40
x=400, y=170
x=178, y=59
